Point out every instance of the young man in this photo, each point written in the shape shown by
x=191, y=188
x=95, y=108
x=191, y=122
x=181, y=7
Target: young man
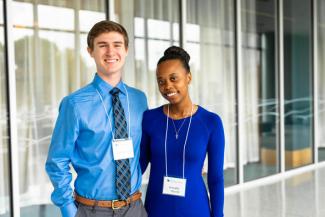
x=98, y=132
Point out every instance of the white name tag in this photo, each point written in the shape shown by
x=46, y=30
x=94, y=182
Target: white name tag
x=174, y=186
x=122, y=149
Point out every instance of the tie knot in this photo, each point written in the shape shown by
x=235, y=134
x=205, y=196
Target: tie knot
x=114, y=91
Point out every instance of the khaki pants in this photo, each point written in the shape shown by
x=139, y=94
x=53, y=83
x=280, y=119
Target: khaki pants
x=135, y=209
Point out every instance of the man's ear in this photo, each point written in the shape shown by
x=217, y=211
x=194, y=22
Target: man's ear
x=90, y=51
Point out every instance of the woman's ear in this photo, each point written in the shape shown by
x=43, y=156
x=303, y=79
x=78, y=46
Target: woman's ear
x=189, y=77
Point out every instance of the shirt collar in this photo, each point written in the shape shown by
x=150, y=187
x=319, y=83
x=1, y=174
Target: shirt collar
x=103, y=87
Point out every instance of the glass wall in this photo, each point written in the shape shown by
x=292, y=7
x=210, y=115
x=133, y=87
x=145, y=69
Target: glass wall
x=61, y=66
x=51, y=61
x=154, y=26
x=321, y=79
x=298, y=82
x=4, y=131
x=210, y=42
x=260, y=104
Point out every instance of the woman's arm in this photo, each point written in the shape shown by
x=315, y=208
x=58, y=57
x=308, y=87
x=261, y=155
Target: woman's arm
x=144, y=146
x=215, y=168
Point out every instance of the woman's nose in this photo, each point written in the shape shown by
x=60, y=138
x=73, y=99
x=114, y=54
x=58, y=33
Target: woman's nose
x=167, y=85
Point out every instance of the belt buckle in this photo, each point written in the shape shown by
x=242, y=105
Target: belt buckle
x=113, y=206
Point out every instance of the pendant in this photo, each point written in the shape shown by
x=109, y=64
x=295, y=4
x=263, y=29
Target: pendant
x=176, y=135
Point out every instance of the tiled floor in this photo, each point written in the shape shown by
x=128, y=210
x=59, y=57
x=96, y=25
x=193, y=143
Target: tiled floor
x=252, y=171
x=299, y=196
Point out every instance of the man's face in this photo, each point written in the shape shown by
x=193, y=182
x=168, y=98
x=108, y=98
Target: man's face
x=109, y=53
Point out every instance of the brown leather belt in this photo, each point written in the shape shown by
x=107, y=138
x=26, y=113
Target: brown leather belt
x=114, y=204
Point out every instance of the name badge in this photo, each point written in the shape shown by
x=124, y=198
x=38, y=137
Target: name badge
x=122, y=149
x=174, y=186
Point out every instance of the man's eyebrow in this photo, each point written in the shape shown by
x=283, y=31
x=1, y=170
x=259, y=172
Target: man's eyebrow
x=102, y=42
x=115, y=42
x=118, y=42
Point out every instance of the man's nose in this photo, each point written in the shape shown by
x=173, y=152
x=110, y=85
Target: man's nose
x=109, y=50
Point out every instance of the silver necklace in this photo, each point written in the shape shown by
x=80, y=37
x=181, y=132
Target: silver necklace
x=177, y=130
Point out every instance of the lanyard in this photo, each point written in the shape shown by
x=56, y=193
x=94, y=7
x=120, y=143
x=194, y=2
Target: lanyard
x=188, y=129
x=109, y=120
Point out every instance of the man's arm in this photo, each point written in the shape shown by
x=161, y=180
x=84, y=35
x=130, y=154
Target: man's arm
x=58, y=161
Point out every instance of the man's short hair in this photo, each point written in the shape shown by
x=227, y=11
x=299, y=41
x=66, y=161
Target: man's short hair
x=104, y=27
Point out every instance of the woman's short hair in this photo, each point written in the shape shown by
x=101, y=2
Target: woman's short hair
x=178, y=53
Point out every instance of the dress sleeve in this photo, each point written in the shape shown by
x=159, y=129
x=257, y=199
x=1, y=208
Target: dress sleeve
x=145, y=146
x=215, y=168
x=59, y=157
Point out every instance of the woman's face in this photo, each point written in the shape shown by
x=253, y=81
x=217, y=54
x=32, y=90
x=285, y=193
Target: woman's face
x=173, y=80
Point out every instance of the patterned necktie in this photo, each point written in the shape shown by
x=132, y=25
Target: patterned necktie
x=123, y=174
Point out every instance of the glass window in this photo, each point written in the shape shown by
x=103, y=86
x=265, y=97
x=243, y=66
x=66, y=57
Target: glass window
x=51, y=62
x=4, y=131
x=88, y=18
x=298, y=82
x=48, y=17
x=146, y=23
x=321, y=80
x=25, y=16
x=260, y=104
x=153, y=26
x=210, y=42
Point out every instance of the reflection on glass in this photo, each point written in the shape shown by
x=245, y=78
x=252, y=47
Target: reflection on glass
x=48, y=17
x=51, y=61
x=25, y=15
x=139, y=24
x=260, y=106
x=41, y=83
x=210, y=42
x=86, y=62
x=176, y=33
x=4, y=132
x=154, y=25
x=154, y=30
x=155, y=51
x=298, y=82
x=192, y=33
x=321, y=80
x=89, y=18
x=1, y=13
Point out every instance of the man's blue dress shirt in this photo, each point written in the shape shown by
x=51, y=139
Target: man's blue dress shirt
x=82, y=136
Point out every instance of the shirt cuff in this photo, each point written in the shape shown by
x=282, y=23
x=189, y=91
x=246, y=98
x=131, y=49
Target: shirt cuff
x=69, y=210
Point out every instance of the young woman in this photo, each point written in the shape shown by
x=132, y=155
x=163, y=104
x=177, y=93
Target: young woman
x=175, y=140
